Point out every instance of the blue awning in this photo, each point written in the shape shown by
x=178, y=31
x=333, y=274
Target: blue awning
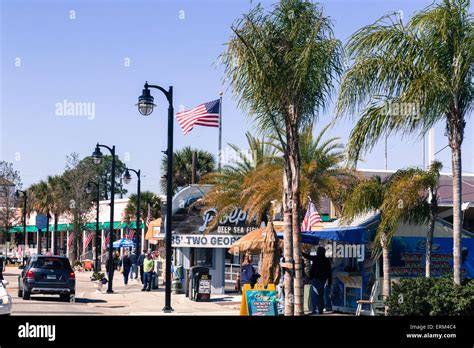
x=343, y=234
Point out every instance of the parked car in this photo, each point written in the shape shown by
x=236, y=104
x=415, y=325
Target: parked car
x=47, y=275
x=5, y=299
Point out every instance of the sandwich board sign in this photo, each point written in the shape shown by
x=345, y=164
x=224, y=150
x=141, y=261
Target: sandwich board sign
x=259, y=300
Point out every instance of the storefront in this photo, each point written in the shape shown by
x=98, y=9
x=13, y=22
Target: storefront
x=355, y=270
x=195, y=244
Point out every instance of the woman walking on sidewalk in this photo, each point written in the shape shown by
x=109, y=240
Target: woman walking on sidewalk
x=126, y=265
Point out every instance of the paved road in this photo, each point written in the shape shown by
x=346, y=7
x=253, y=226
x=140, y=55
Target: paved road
x=126, y=300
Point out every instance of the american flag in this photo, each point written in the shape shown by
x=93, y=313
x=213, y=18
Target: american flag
x=129, y=234
x=312, y=217
x=70, y=239
x=89, y=236
x=148, y=218
x=106, y=240
x=206, y=114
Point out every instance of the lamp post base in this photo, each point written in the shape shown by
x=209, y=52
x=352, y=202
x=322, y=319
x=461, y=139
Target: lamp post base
x=168, y=309
x=109, y=291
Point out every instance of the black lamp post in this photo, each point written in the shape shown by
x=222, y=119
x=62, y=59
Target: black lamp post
x=97, y=158
x=145, y=107
x=17, y=194
x=127, y=178
x=97, y=202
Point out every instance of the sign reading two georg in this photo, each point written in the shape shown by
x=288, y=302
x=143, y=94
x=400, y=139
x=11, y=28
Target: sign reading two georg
x=201, y=241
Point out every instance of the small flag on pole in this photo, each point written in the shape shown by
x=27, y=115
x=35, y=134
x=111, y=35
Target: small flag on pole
x=106, y=240
x=129, y=234
x=148, y=218
x=206, y=114
x=311, y=218
x=89, y=236
x=70, y=240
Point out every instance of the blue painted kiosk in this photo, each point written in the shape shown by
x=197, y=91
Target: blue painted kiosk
x=355, y=270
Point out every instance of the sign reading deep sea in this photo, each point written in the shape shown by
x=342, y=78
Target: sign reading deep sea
x=233, y=223
x=229, y=229
x=261, y=302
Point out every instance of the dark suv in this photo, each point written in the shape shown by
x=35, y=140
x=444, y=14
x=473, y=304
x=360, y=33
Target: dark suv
x=47, y=275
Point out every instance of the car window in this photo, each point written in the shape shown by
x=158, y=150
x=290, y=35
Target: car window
x=51, y=263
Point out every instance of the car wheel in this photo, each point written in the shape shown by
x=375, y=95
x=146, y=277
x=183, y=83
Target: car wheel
x=64, y=297
x=20, y=293
x=26, y=295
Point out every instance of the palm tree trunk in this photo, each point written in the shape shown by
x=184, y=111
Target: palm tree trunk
x=386, y=268
x=457, y=223
x=429, y=236
x=287, y=239
x=294, y=157
x=53, y=245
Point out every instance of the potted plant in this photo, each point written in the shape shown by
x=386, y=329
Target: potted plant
x=78, y=266
x=98, y=279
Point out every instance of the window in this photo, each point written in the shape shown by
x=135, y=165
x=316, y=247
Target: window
x=203, y=257
x=51, y=263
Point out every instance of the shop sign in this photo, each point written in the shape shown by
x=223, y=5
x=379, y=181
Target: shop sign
x=198, y=240
x=261, y=302
x=233, y=223
x=204, y=285
x=157, y=232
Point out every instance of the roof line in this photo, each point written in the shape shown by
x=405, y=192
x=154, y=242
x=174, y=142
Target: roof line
x=393, y=171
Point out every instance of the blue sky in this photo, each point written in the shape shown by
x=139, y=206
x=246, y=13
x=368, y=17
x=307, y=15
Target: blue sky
x=110, y=48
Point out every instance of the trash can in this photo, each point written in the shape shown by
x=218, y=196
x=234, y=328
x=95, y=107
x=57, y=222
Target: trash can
x=154, y=280
x=200, y=284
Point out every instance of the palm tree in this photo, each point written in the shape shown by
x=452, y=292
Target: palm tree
x=229, y=184
x=41, y=200
x=321, y=174
x=398, y=197
x=281, y=66
x=426, y=212
x=182, y=166
x=147, y=198
x=58, y=205
x=407, y=77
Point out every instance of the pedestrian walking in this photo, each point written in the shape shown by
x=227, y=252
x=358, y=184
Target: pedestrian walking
x=320, y=273
x=134, y=269
x=126, y=265
x=248, y=275
x=2, y=265
x=140, y=261
x=147, y=272
x=116, y=260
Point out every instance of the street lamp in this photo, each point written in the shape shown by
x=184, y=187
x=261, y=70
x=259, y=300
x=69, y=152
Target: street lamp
x=145, y=107
x=127, y=178
x=19, y=193
x=97, y=158
x=97, y=201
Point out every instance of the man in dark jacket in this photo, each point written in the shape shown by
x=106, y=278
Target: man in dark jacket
x=140, y=261
x=248, y=275
x=126, y=265
x=320, y=273
x=2, y=265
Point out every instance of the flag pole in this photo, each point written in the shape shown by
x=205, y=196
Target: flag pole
x=219, y=150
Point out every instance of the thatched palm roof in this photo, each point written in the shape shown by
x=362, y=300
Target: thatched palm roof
x=253, y=241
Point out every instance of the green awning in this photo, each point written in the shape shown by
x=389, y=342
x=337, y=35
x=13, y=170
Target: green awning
x=92, y=225
x=133, y=224
x=106, y=225
x=69, y=227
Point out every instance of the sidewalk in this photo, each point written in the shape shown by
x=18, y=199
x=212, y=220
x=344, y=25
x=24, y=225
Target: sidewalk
x=130, y=300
